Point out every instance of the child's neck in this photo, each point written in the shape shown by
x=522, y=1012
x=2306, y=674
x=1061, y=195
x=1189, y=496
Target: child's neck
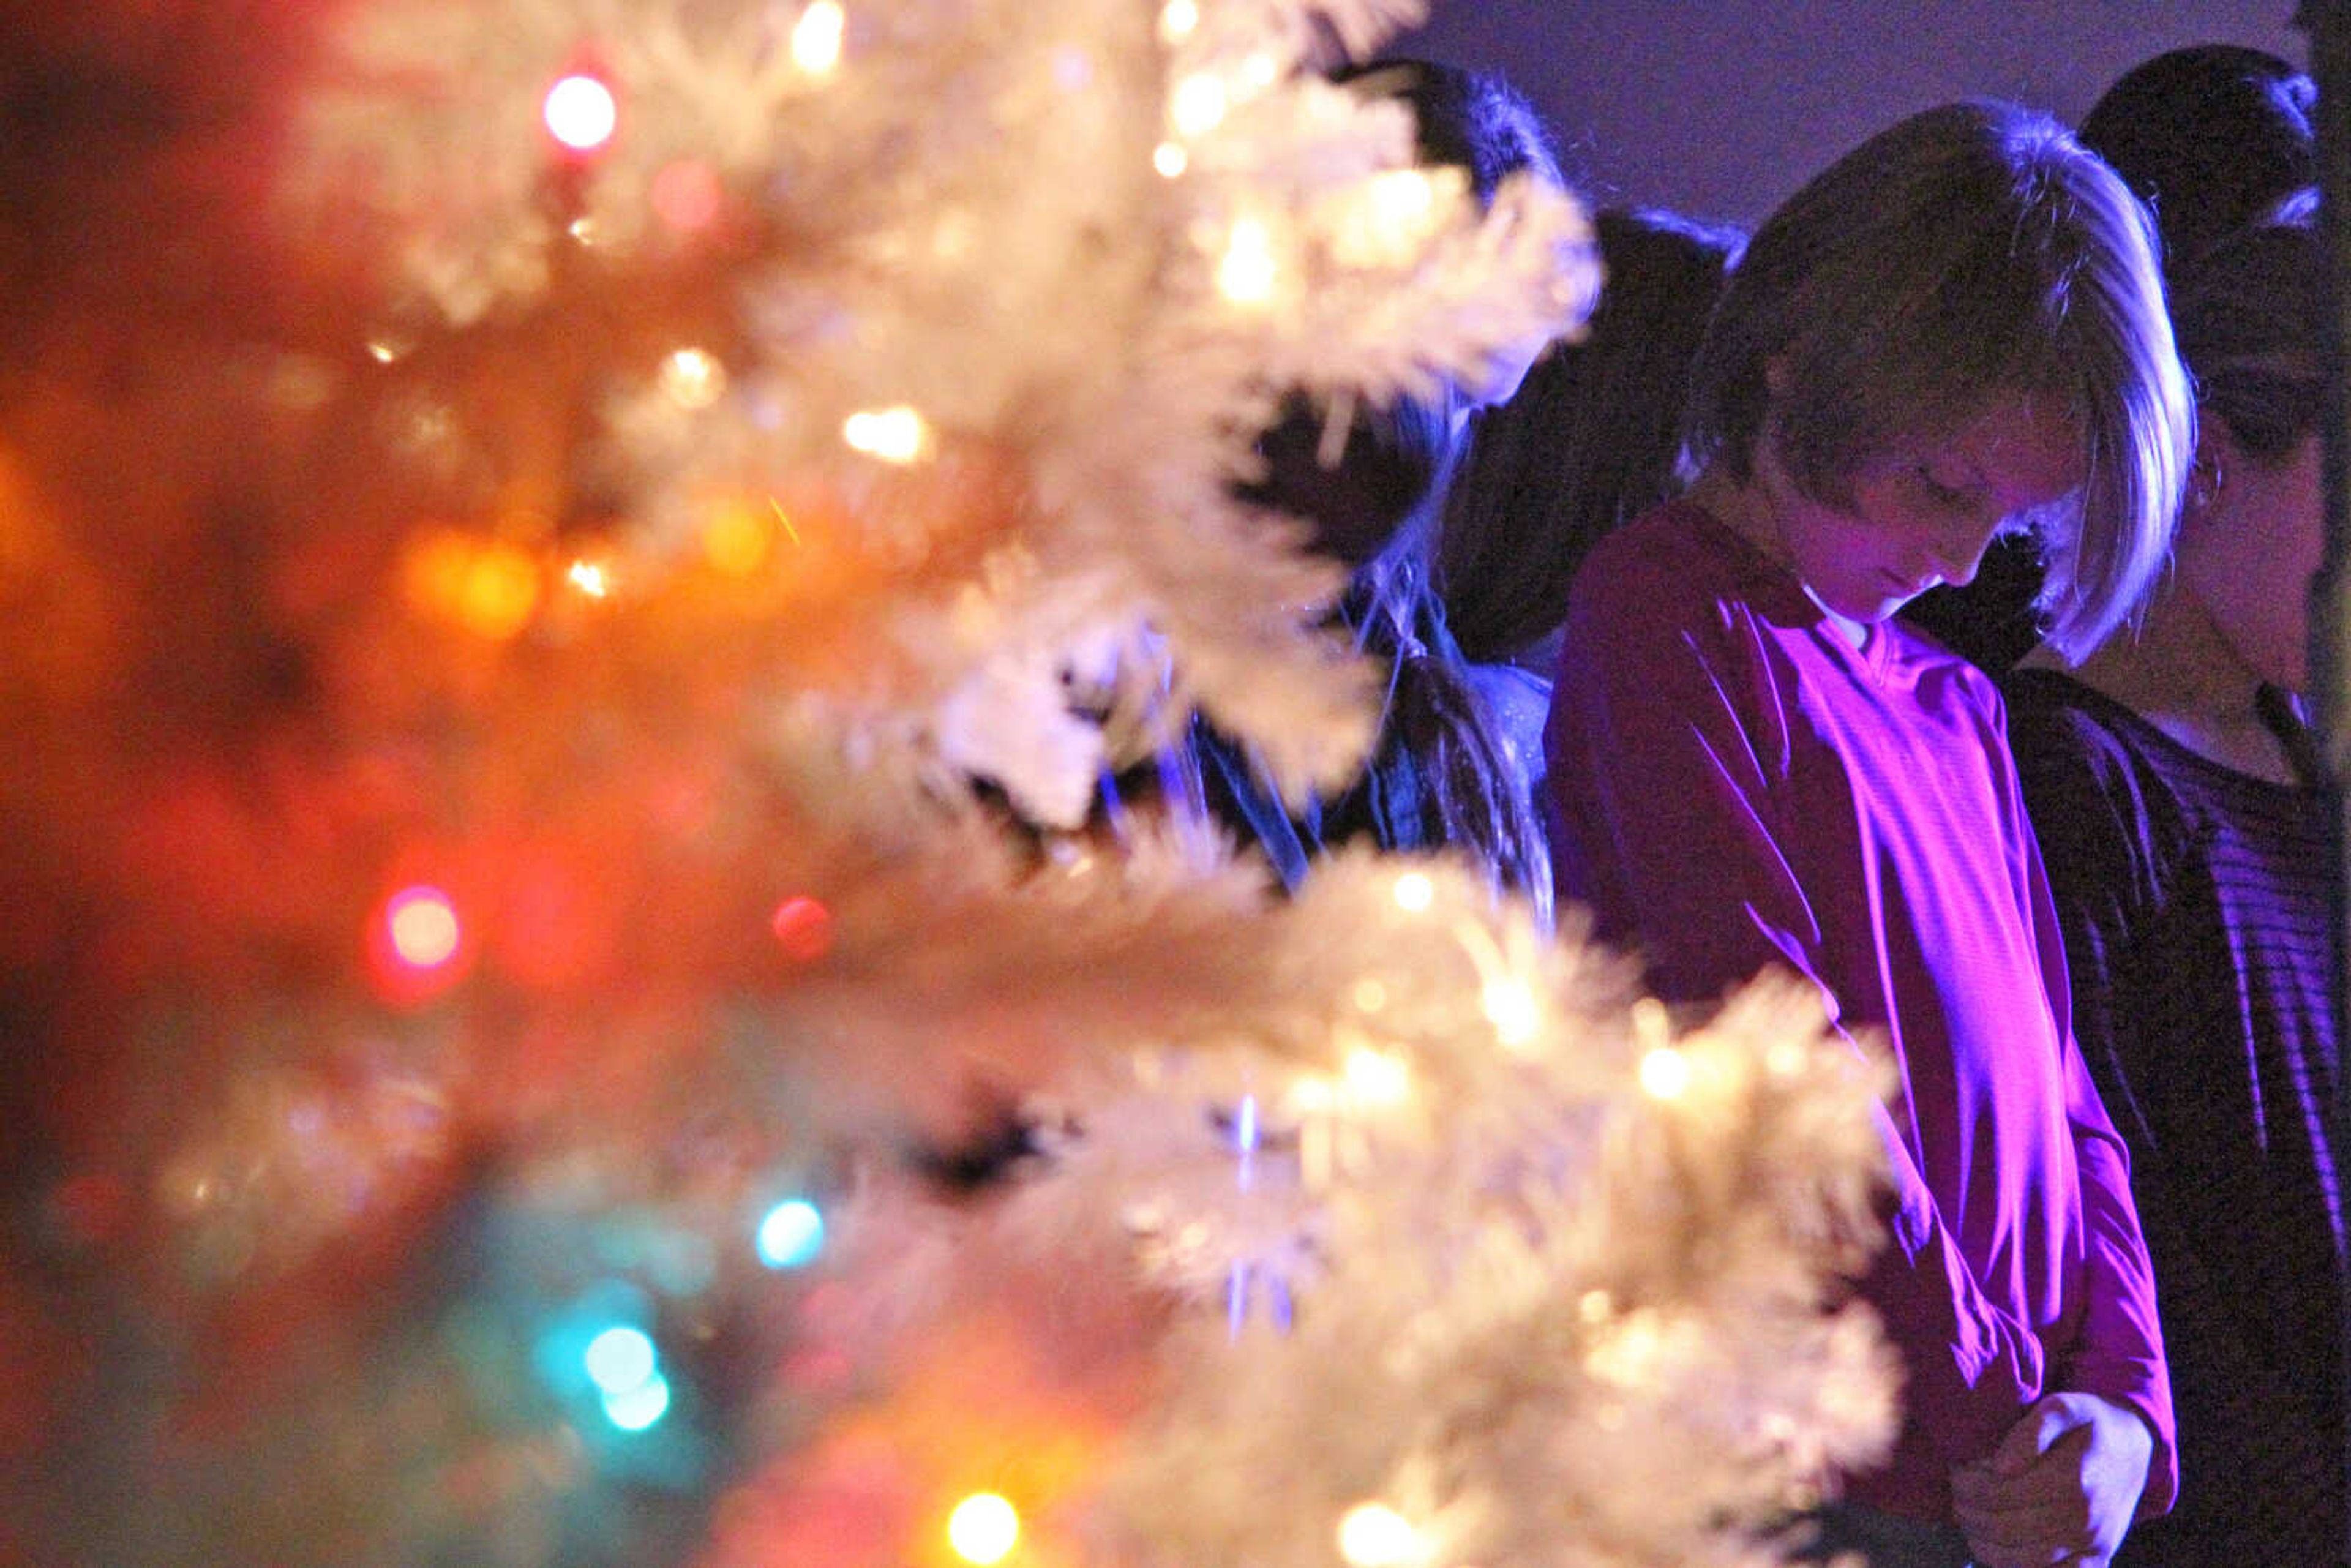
x=1745, y=507
x=2183, y=677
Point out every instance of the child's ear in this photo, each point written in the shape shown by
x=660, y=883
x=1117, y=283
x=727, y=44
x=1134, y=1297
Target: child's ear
x=2217, y=451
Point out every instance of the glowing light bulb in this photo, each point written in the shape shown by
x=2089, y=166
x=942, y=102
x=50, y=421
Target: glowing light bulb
x=620, y=1360
x=736, y=540
x=893, y=434
x=817, y=36
x=639, y=1407
x=1374, y=1535
x=693, y=378
x=1414, y=891
x=1510, y=1007
x=498, y=591
x=804, y=926
x=792, y=1235
x=590, y=578
x=1170, y=159
x=1260, y=71
x=983, y=1529
x=1665, y=1073
x=423, y=925
x=1197, y=105
x=581, y=113
x=1377, y=1078
x=1246, y=275
x=1178, y=20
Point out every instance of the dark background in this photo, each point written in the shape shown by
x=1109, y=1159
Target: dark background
x=1718, y=109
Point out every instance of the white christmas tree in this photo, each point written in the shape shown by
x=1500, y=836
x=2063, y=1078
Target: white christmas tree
x=547, y=545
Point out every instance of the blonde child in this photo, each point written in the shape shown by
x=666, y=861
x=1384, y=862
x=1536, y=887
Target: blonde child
x=1955, y=330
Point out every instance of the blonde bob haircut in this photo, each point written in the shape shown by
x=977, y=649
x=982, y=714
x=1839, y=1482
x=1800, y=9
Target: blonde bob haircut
x=1971, y=253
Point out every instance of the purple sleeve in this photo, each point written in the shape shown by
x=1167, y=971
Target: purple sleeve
x=1664, y=745
x=2117, y=1353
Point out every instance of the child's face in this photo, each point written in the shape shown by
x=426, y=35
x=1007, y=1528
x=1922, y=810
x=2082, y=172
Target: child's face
x=1923, y=514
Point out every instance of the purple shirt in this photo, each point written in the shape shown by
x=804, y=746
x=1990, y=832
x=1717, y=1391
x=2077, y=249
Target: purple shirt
x=1732, y=784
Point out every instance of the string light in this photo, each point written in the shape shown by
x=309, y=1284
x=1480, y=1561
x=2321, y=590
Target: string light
x=590, y=578
x=416, y=945
x=620, y=1360
x=792, y=1235
x=1415, y=893
x=1246, y=275
x=581, y=113
x=817, y=38
x=1374, y=1535
x=499, y=591
x=736, y=538
x=804, y=926
x=1665, y=1073
x=1510, y=1007
x=1197, y=105
x=1377, y=1077
x=639, y=1407
x=423, y=925
x=892, y=434
x=1178, y=20
x=983, y=1529
x=693, y=378
x=1170, y=159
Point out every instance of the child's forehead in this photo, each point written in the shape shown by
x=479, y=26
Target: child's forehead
x=2026, y=446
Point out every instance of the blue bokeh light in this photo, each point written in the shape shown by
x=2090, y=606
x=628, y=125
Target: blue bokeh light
x=620, y=1361
x=639, y=1407
x=792, y=1235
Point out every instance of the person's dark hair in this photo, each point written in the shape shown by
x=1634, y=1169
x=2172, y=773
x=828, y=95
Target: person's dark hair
x=1971, y=252
x=1365, y=477
x=1588, y=442
x=2210, y=136
x=2252, y=315
x=1473, y=120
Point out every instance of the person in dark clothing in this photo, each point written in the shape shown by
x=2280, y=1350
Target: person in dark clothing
x=2175, y=793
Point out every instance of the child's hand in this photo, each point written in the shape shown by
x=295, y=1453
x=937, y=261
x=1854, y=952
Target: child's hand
x=2060, y=1488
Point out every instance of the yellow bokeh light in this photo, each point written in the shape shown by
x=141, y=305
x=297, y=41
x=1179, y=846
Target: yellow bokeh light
x=893, y=434
x=1511, y=1008
x=692, y=379
x=1374, y=1535
x=983, y=1529
x=1170, y=159
x=1665, y=1073
x=499, y=592
x=817, y=36
x=1197, y=105
x=1414, y=891
x=736, y=539
x=1178, y=20
x=1246, y=275
x=1377, y=1077
x=590, y=578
